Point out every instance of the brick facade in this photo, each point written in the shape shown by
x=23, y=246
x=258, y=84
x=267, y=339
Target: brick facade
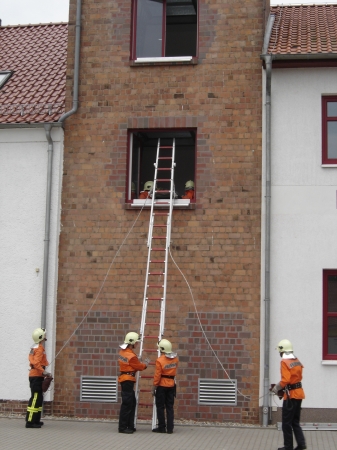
x=216, y=245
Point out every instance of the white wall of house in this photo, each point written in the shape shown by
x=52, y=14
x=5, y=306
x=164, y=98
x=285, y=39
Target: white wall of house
x=303, y=226
x=23, y=182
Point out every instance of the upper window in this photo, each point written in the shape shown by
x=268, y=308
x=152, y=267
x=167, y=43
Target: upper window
x=329, y=130
x=330, y=314
x=164, y=28
x=143, y=146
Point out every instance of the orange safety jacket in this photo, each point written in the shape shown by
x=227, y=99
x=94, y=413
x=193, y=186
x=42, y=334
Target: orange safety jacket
x=38, y=360
x=165, y=366
x=144, y=194
x=188, y=194
x=291, y=373
x=128, y=362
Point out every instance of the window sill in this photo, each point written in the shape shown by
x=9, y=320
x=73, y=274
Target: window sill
x=328, y=165
x=329, y=362
x=181, y=204
x=160, y=61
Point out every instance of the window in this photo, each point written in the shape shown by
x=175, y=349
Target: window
x=142, y=156
x=164, y=28
x=330, y=314
x=329, y=130
x=4, y=77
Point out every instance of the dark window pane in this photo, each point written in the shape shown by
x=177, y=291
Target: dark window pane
x=332, y=293
x=149, y=28
x=332, y=335
x=332, y=109
x=332, y=140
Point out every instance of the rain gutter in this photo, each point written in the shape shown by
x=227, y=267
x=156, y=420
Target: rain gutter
x=268, y=63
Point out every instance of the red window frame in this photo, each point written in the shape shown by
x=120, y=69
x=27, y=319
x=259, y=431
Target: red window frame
x=327, y=314
x=325, y=120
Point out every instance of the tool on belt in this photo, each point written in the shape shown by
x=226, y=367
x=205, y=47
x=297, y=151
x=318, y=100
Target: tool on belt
x=128, y=373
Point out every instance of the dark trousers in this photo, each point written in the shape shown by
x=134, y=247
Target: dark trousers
x=291, y=416
x=128, y=406
x=34, y=408
x=165, y=400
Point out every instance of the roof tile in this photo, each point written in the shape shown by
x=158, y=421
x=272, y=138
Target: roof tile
x=37, y=56
x=304, y=29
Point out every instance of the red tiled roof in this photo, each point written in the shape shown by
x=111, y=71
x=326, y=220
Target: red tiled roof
x=37, y=55
x=303, y=30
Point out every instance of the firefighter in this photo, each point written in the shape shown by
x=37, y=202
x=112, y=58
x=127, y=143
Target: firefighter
x=147, y=192
x=189, y=190
x=164, y=386
x=129, y=364
x=37, y=373
x=291, y=377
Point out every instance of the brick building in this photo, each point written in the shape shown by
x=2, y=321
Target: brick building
x=186, y=70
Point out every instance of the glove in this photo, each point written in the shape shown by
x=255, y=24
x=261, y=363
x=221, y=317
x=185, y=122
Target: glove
x=46, y=374
x=153, y=391
x=276, y=388
x=147, y=361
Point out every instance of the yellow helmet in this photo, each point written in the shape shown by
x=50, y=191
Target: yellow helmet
x=285, y=346
x=148, y=186
x=131, y=338
x=189, y=185
x=39, y=334
x=165, y=346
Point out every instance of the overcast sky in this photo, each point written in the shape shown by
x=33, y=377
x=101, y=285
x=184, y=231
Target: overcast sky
x=14, y=12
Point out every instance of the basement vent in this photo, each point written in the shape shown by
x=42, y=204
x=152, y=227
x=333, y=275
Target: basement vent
x=216, y=392
x=99, y=389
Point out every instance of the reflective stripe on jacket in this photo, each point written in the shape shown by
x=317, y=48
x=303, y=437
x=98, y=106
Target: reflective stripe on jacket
x=165, y=366
x=128, y=362
x=291, y=373
x=38, y=360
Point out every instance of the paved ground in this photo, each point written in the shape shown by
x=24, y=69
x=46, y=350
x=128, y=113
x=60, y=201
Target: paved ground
x=94, y=435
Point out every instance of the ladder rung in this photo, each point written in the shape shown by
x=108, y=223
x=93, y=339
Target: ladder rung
x=155, y=285
x=163, y=179
x=159, y=226
x=165, y=157
x=157, y=261
x=156, y=273
x=165, y=146
x=154, y=298
x=164, y=168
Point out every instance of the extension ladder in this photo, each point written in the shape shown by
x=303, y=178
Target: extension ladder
x=153, y=314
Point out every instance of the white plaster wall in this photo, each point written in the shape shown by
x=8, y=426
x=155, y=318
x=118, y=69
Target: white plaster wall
x=303, y=226
x=23, y=182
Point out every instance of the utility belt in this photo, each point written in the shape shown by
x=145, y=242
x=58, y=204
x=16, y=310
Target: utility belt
x=32, y=367
x=290, y=387
x=172, y=377
x=128, y=373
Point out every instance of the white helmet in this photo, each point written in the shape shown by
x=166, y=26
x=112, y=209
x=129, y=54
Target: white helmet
x=165, y=346
x=148, y=186
x=131, y=338
x=39, y=334
x=189, y=185
x=285, y=346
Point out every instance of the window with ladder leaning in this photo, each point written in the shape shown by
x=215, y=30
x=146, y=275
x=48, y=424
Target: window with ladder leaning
x=142, y=156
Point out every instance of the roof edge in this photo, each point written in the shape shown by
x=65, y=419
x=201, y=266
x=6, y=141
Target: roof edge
x=33, y=25
x=30, y=125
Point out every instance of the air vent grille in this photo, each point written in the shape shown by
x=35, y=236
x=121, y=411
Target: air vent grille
x=217, y=392
x=99, y=389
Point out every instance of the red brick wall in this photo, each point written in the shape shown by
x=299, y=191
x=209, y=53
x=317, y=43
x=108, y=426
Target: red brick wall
x=217, y=245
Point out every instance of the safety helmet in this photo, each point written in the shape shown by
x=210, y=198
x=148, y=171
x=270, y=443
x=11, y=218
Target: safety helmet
x=285, y=346
x=131, y=338
x=148, y=186
x=133, y=187
x=165, y=346
x=39, y=334
x=189, y=185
